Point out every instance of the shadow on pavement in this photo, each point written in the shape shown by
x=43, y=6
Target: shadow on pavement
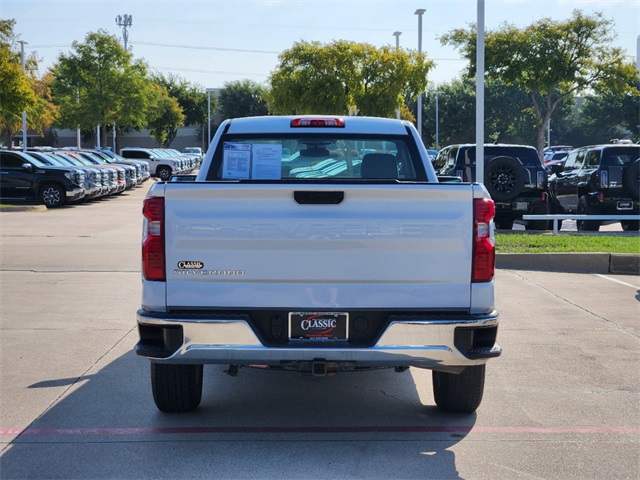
x=260, y=424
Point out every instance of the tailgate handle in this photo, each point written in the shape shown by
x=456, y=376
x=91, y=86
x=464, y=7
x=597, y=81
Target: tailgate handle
x=318, y=198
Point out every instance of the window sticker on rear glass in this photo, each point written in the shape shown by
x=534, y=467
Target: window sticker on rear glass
x=236, y=161
x=259, y=161
x=266, y=161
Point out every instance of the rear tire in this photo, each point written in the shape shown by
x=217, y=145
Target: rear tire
x=630, y=225
x=585, y=209
x=459, y=393
x=504, y=224
x=176, y=388
x=539, y=224
x=52, y=195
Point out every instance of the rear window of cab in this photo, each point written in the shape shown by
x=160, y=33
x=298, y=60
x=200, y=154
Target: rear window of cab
x=527, y=156
x=313, y=157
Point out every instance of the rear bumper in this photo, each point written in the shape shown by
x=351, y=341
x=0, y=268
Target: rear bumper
x=618, y=206
x=436, y=344
x=520, y=206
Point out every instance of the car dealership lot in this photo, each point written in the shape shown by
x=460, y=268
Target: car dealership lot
x=563, y=401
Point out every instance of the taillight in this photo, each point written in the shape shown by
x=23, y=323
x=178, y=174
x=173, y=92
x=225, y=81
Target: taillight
x=540, y=179
x=484, y=250
x=317, y=122
x=604, y=179
x=153, y=239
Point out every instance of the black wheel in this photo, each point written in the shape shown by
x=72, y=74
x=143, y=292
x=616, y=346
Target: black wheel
x=163, y=173
x=504, y=178
x=539, y=224
x=630, y=225
x=459, y=393
x=585, y=209
x=52, y=195
x=176, y=388
x=504, y=223
x=631, y=179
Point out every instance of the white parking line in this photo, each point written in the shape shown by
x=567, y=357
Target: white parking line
x=617, y=281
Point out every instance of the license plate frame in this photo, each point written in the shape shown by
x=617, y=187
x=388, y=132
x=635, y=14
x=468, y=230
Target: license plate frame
x=318, y=326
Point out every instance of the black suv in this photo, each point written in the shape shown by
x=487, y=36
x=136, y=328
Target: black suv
x=25, y=178
x=513, y=175
x=598, y=180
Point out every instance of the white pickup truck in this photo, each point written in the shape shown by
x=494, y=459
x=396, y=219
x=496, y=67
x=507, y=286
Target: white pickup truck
x=317, y=244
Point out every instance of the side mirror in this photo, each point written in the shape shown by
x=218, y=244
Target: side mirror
x=556, y=169
x=27, y=166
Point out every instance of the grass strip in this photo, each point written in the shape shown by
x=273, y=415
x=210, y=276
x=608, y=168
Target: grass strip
x=527, y=243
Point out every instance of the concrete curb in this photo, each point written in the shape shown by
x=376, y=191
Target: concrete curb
x=24, y=208
x=571, y=262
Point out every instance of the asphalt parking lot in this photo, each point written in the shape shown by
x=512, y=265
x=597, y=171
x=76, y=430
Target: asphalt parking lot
x=563, y=401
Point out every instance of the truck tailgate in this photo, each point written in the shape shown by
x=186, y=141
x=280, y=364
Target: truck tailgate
x=383, y=246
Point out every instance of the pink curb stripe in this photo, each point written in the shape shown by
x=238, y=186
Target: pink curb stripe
x=459, y=429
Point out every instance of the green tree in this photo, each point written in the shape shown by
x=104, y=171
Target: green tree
x=44, y=112
x=550, y=60
x=242, y=98
x=606, y=116
x=100, y=84
x=16, y=87
x=337, y=77
x=192, y=98
x=165, y=117
x=456, y=118
x=507, y=118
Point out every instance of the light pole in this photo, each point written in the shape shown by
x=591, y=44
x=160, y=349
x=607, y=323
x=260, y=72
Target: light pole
x=209, y=90
x=480, y=94
x=24, y=112
x=420, y=12
x=437, y=124
x=397, y=35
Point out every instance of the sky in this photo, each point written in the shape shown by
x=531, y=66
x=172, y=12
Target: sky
x=210, y=42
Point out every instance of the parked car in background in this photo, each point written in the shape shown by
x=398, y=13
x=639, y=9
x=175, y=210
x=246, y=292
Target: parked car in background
x=24, y=178
x=187, y=162
x=109, y=175
x=142, y=167
x=93, y=187
x=160, y=165
x=599, y=180
x=120, y=174
x=513, y=175
x=194, y=151
x=130, y=179
x=555, y=156
x=556, y=148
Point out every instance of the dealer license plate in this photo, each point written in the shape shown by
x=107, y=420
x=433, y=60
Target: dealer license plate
x=318, y=325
